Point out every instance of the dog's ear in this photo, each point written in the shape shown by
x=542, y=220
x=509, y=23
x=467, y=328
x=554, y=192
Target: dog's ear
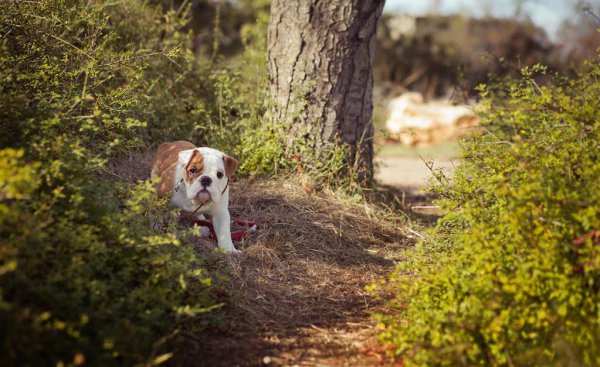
x=231, y=164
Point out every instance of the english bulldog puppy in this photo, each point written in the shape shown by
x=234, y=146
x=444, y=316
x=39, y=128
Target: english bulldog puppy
x=197, y=180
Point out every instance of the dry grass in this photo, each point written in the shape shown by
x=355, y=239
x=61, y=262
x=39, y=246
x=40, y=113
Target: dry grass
x=297, y=296
x=300, y=279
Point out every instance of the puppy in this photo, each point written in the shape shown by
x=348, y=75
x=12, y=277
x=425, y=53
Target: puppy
x=197, y=180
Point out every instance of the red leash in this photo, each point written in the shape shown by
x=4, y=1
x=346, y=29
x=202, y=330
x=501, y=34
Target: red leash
x=235, y=235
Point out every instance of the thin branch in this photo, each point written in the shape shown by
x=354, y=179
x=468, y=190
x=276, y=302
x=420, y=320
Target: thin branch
x=68, y=43
x=588, y=10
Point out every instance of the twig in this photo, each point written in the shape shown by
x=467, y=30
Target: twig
x=122, y=61
x=116, y=175
x=415, y=233
x=7, y=33
x=68, y=43
x=588, y=10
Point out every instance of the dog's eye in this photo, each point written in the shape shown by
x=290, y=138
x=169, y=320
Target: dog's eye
x=220, y=174
x=192, y=171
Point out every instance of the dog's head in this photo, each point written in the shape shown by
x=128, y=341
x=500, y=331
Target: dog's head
x=206, y=173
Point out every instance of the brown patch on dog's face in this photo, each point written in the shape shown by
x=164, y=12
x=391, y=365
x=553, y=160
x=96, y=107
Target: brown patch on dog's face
x=230, y=165
x=195, y=166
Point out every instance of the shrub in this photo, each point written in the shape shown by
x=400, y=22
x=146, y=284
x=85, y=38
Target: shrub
x=84, y=277
x=511, y=274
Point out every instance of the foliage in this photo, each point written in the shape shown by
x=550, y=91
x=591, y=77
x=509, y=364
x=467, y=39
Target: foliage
x=262, y=140
x=511, y=274
x=231, y=117
x=84, y=277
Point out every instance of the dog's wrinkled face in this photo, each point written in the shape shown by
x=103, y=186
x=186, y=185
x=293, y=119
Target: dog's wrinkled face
x=206, y=172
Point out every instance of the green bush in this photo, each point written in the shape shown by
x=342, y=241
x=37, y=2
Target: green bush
x=84, y=277
x=511, y=274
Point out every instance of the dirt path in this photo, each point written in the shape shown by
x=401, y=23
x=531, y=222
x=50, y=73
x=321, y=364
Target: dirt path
x=299, y=297
x=407, y=172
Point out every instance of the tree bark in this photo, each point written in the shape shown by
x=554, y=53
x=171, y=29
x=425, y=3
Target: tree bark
x=321, y=73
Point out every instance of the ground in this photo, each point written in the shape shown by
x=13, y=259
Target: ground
x=407, y=172
x=299, y=297
x=407, y=167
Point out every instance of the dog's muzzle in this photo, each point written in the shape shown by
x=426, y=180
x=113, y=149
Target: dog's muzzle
x=202, y=197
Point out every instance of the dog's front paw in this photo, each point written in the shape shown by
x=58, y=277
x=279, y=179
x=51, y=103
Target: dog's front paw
x=229, y=248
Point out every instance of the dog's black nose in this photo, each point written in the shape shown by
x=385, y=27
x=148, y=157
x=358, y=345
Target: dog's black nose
x=205, y=181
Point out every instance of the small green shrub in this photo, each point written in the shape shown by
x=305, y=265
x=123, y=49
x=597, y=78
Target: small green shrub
x=261, y=141
x=511, y=274
x=84, y=277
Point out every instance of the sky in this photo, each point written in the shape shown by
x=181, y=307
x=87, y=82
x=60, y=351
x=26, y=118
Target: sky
x=548, y=14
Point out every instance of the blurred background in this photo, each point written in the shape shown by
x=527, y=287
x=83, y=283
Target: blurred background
x=432, y=54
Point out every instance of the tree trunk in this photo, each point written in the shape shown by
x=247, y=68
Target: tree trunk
x=320, y=67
